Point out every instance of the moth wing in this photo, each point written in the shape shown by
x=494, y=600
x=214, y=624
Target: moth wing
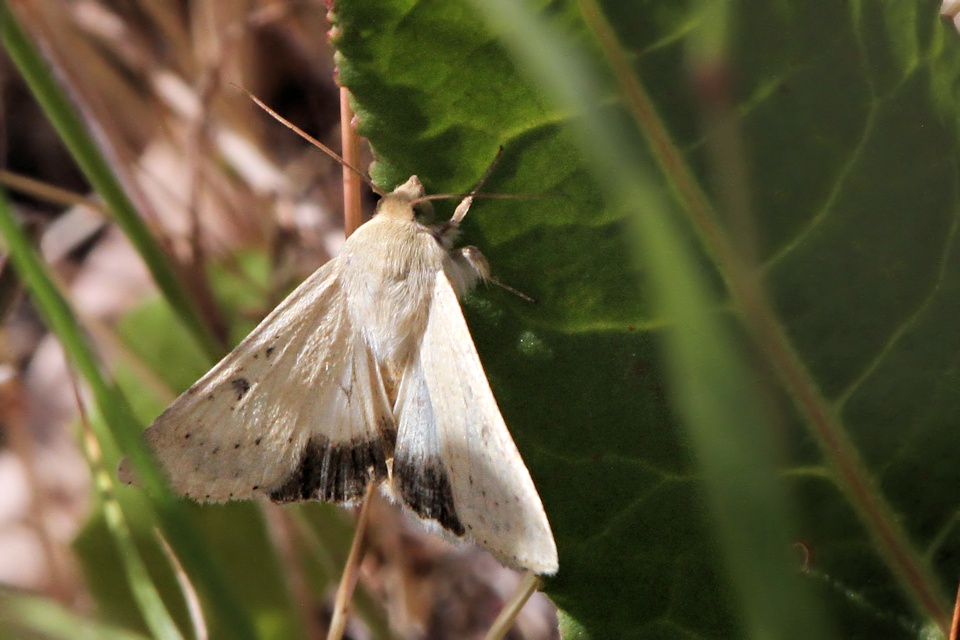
x=296, y=411
x=455, y=461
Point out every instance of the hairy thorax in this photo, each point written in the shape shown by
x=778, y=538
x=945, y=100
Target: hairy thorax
x=388, y=268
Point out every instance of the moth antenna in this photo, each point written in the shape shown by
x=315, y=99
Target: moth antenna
x=319, y=145
x=461, y=211
x=503, y=285
x=464, y=206
x=492, y=196
x=486, y=174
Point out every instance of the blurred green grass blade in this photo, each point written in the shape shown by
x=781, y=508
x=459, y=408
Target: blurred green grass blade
x=25, y=615
x=88, y=157
x=120, y=426
x=712, y=387
x=152, y=608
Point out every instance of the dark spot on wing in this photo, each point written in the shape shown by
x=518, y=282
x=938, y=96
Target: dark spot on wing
x=426, y=490
x=240, y=387
x=333, y=472
x=269, y=351
x=257, y=441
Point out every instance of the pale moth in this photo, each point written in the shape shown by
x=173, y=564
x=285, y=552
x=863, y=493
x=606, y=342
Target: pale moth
x=365, y=373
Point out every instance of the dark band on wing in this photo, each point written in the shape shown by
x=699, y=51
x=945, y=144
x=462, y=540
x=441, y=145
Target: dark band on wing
x=333, y=473
x=425, y=488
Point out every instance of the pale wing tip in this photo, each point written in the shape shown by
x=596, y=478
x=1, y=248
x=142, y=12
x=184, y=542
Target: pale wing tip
x=546, y=564
x=538, y=557
x=541, y=566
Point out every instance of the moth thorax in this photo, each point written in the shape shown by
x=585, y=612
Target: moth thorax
x=392, y=311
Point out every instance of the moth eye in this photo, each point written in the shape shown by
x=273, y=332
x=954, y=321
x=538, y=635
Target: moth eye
x=424, y=211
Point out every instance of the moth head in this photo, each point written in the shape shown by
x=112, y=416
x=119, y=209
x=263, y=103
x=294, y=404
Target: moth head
x=399, y=202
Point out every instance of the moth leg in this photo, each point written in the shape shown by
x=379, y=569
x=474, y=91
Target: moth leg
x=470, y=267
x=464, y=206
x=471, y=260
x=465, y=268
x=447, y=232
x=461, y=211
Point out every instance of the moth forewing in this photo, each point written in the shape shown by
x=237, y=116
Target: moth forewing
x=196, y=438
x=456, y=462
x=278, y=416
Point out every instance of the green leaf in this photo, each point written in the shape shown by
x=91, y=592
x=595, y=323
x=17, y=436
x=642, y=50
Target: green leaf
x=849, y=131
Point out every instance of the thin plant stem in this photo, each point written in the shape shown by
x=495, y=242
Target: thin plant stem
x=350, y=147
x=511, y=609
x=351, y=570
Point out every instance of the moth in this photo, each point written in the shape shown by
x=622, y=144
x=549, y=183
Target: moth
x=365, y=373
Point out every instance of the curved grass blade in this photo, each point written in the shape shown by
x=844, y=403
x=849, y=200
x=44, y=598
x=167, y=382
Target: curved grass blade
x=148, y=599
x=121, y=427
x=32, y=616
x=93, y=164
